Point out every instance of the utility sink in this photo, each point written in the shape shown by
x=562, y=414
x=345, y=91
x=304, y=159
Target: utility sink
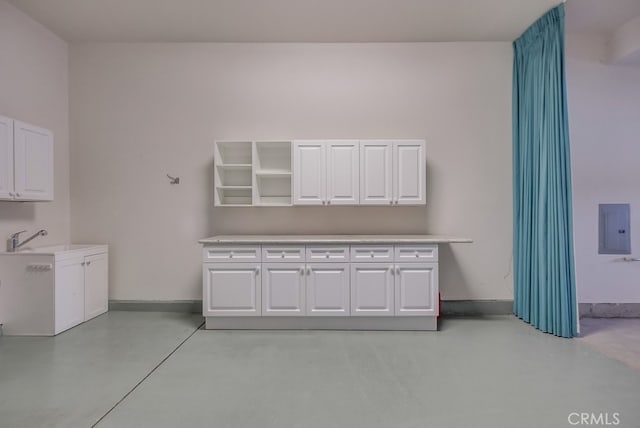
x=49, y=289
x=54, y=249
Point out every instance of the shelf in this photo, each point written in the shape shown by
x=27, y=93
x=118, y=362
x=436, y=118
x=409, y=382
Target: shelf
x=274, y=201
x=233, y=195
x=233, y=153
x=240, y=166
x=273, y=173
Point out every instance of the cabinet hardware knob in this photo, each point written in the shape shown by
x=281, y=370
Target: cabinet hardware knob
x=327, y=255
x=18, y=195
x=308, y=271
x=11, y=194
x=328, y=202
x=82, y=264
x=372, y=255
x=257, y=270
x=396, y=202
x=391, y=202
x=301, y=270
x=393, y=271
x=88, y=263
x=397, y=270
x=282, y=255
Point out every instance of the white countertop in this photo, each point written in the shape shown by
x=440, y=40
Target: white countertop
x=51, y=250
x=333, y=239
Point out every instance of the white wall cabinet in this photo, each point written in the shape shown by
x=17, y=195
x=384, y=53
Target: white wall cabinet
x=319, y=172
x=26, y=161
x=392, y=172
x=326, y=172
x=355, y=280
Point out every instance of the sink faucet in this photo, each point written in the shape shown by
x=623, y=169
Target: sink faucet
x=13, y=243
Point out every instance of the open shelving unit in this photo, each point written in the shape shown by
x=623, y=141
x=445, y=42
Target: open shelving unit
x=272, y=178
x=252, y=173
x=232, y=175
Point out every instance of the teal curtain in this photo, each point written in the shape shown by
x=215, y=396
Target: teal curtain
x=544, y=273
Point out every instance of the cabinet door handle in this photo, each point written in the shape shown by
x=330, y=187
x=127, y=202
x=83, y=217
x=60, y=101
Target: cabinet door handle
x=18, y=195
x=82, y=264
x=257, y=270
x=328, y=202
x=396, y=202
x=308, y=270
x=88, y=263
x=397, y=270
x=393, y=270
x=391, y=202
x=301, y=270
x=11, y=194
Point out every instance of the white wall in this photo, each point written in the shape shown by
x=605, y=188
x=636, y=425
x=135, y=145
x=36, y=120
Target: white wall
x=34, y=88
x=139, y=111
x=604, y=120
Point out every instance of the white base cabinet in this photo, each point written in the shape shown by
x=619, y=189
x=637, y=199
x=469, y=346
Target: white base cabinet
x=46, y=293
x=370, y=282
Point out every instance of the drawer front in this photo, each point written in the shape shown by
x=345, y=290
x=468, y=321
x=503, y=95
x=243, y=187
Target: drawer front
x=238, y=254
x=282, y=253
x=322, y=254
x=416, y=253
x=371, y=253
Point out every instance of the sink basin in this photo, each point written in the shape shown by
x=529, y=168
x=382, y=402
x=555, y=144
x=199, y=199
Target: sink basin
x=53, y=249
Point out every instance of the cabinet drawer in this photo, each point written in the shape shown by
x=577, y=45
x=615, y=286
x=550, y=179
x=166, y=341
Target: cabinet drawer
x=328, y=253
x=371, y=253
x=231, y=254
x=417, y=253
x=283, y=253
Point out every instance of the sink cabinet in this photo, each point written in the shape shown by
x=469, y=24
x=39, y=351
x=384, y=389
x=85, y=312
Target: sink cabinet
x=45, y=292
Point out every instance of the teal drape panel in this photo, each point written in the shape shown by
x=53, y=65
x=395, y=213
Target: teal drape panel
x=544, y=276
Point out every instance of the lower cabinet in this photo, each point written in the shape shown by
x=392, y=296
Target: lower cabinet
x=231, y=289
x=81, y=289
x=327, y=287
x=96, y=285
x=416, y=289
x=283, y=291
x=377, y=286
x=69, y=294
x=372, y=289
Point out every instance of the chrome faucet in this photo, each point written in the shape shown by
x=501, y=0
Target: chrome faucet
x=13, y=243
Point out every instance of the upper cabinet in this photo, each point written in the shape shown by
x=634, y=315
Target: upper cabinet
x=392, y=172
x=26, y=162
x=326, y=172
x=320, y=172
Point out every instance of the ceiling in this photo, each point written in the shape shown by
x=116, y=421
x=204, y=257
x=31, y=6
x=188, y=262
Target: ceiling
x=287, y=20
x=599, y=16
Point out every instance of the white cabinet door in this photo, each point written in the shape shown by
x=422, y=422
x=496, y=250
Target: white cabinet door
x=283, y=291
x=343, y=172
x=416, y=289
x=96, y=285
x=328, y=289
x=231, y=289
x=69, y=293
x=372, y=289
x=309, y=172
x=33, y=168
x=6, y=158
x=376, y=172
x=409, y=168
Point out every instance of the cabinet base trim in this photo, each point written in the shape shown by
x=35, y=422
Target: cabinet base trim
x=321, y=323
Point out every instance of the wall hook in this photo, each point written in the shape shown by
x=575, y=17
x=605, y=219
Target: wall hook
x=173, y=180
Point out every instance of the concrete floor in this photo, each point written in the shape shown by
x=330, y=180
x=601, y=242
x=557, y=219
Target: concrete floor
x=127, y=369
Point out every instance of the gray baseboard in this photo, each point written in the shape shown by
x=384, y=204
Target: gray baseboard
x=186, y=306
x=609, y=310
x=449, y=307
x=464, y=308
x=322, y=323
